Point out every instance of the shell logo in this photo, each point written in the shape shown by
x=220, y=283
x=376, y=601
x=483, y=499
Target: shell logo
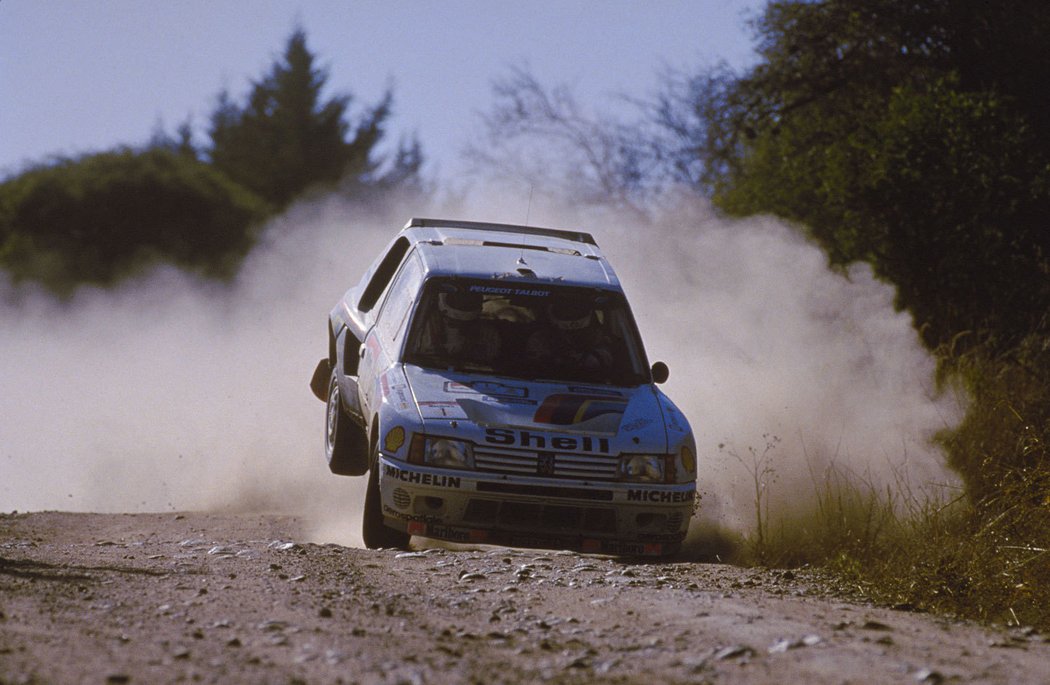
x=394, y=439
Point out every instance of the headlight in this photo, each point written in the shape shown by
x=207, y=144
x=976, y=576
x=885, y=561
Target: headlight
x=646, y=468
x=433, y=451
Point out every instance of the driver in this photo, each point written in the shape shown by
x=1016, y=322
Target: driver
x=573, y=339
x=466, y=335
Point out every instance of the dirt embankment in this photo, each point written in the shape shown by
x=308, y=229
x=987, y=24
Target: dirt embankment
x=88, y=598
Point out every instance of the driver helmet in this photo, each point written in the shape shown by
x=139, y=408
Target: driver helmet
x=569, y=315
x=460, y=306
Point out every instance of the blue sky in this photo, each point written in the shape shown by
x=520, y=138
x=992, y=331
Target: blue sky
x=84, y=75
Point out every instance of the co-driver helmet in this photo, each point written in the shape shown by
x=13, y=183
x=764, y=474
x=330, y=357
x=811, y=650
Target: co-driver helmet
x=460, y=306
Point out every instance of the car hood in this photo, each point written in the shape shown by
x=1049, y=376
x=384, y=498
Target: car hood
x=616, y=419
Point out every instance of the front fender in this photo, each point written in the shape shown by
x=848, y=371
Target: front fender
x=319, y=381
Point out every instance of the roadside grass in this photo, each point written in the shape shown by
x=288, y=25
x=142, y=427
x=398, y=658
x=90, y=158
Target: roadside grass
x=982, y=553
x=989, y=562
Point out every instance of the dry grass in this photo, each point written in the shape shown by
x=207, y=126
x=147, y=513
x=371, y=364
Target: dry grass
x=984, y=554
x=953, y=558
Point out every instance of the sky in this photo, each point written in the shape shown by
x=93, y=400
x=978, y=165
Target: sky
x=78, y=76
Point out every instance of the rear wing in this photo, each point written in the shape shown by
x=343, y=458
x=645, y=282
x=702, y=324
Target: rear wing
x=575, y=236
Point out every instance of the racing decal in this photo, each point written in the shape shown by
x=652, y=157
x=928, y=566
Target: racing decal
x=394, y=439
x=395, y=392
x=674, y=418
x=491, y=388
x=372, y=347
x=390, y=512
x=433, y=479
x=503, y=401
x=542, y=441
x=441, y=409
x=594, y=391
x=566, y=410
x=636, y=425
x=442, y=404
x=444, y=532
x=660, y=496
x=489, y=411
x=509, y=290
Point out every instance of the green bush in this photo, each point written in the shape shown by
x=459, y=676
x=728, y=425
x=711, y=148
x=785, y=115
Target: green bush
x=100, y=217
x=1002, y=441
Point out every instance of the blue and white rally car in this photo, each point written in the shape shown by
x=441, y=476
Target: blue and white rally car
x=491, y=382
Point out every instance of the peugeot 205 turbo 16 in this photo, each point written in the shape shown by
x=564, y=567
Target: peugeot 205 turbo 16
x=490, y=381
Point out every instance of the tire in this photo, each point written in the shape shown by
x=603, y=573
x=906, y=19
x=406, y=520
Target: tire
x=344, y=440
x=376, y=534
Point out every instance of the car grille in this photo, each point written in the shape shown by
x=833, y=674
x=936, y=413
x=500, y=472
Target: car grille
x=554, y=518
x=547, y=464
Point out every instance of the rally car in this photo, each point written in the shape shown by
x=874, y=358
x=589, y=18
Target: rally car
x=490, y=381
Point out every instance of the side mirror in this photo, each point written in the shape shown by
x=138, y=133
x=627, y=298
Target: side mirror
x=660, y=372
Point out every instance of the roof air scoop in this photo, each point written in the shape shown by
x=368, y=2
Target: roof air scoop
x=526, y=271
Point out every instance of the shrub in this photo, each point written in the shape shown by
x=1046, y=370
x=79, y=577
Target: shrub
x=102, y=216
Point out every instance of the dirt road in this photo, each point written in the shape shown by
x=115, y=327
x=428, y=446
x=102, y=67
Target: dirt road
x=155, y=598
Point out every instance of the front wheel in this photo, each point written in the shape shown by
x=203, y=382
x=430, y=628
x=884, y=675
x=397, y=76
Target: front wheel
x=344, y=440
x=377, y=534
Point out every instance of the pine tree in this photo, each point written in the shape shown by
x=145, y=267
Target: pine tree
x=285, y=140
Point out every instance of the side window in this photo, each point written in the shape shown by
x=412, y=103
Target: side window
x=386, y=269
x=398, y=303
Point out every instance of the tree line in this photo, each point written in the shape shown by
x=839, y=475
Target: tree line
x=915, y=136
x=99, y=217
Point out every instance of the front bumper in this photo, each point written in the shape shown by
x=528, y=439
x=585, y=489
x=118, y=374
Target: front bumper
x=491, y=508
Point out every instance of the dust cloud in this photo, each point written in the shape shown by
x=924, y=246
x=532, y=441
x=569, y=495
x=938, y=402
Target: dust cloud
x=171, y=394
x=790, y=373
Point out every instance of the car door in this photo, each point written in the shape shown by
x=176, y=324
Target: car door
x=384, y=340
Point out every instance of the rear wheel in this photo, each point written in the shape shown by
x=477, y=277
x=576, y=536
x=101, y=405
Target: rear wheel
x=377, y=534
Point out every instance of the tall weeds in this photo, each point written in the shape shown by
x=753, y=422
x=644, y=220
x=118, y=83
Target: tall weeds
x=983, y=553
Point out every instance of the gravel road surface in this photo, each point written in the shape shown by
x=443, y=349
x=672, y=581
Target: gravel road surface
x=208, y=598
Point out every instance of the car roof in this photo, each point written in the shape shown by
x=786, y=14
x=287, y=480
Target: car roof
x=530, y=254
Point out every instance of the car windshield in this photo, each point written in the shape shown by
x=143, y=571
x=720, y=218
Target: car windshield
x=536, y=332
